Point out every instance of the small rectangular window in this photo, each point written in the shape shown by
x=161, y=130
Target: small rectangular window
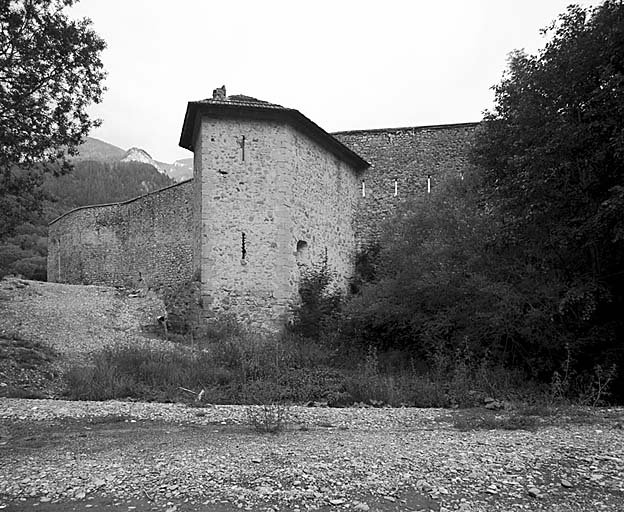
x=396, y=188
x=429, y=184
x=363, y=189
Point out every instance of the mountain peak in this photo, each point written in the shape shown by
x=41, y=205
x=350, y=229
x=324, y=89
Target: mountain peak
x=139, y=155
x=98, y=150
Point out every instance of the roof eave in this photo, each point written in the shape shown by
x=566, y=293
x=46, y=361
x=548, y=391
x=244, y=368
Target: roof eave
x=292, y=116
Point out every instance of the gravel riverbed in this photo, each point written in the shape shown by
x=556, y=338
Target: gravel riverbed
x=176, y=457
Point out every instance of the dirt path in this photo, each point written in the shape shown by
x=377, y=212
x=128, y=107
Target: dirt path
x=115, y=455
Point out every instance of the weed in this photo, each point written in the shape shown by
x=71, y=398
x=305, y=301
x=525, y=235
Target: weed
x=10, y=391
x=320, y=299
x=268, y=418
x=569, y=387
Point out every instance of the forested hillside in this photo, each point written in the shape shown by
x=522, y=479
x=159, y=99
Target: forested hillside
x=91, y=182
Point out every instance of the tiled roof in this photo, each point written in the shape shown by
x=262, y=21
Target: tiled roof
x=243, y=101
x=240, y=106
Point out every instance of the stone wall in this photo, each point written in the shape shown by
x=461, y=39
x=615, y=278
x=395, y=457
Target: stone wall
x=146, y=241
x=402, y=161
x=273, y=201
x=324, y=195
x=266, y=203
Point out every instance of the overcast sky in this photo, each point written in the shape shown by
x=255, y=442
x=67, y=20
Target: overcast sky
x=344, y=64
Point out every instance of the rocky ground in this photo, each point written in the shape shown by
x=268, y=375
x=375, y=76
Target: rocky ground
x=59, y=455
x=44, y=327
x=75, y=320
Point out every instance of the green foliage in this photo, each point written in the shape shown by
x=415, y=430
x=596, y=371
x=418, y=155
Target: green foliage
x=320, y=300
x=268, y=418
x=50, y=72
x=136, y=372
x=552, y=156
x=93, y=182
x=521, y=263
x=231, y=365
x=366, y=262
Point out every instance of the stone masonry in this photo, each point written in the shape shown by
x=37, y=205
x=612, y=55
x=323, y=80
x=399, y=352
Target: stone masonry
x=146, y=241
x=276, y=196
x=405, y=163
x=272, y=195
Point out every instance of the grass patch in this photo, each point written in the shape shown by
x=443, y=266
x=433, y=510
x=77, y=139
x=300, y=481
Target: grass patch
x=140, y=371
x=226, y=364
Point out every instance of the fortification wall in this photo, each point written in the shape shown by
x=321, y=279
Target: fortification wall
x=323, y=193
x=146, y=241
x=272, y=199
x=266, y=203
x=402, y=160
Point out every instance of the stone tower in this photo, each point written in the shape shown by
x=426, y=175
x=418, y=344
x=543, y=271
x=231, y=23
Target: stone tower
x=274, y=194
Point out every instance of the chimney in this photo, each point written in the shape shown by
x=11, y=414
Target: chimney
x=219, y=93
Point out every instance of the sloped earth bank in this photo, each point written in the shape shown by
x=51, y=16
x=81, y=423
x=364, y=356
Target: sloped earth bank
x=58, y=455
x=75, y=320
x=45, y=327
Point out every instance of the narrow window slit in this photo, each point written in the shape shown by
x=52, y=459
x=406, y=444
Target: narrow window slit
x=429, y=184
x=243, y=148
x=396, y=188
x=363, y=189
x=243, y=248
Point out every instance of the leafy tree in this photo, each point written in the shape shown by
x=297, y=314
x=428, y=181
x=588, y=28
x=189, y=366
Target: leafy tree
x=524, y=259
x=50, y=72
x=552, y=154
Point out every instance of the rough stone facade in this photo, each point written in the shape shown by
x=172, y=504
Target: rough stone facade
x=272, y=195
x=146, y=241
x=266, y=216
x=405, y=163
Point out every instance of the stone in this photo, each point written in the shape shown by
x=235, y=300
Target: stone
x=360, y=506
x=337, y=501
x=494, y=406
x=423, y=485
x=534, y=492
x=566, y=483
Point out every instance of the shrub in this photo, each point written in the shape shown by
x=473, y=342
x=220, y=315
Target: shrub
x=140, y=371
x=268, y=418
x=320, y=300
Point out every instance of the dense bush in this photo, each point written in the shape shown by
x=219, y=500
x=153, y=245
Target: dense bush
x=550, y=156
x=320, y=300
x=520, y=259
x=229, y=365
